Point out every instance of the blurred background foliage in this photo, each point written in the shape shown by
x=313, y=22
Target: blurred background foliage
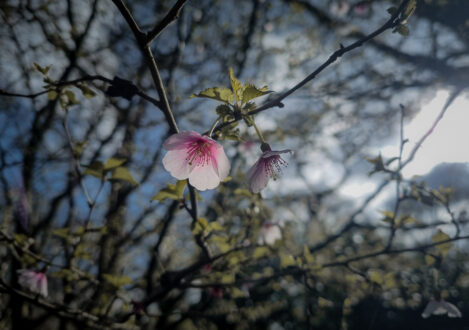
x=132, y=262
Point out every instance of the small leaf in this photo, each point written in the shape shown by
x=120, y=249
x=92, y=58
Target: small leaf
x=112, y=163
x=86, y=91
x=391, y=10
x=402, y=30
x=224, y=110
x=214, y=226
x=61, y=232
x=376, y=277
x=236, y=86
x=122, y=173
x=78, y=148
x=52, y=95
x=286, y=260
x=95, y=169
x=429, y=260
x=307, y=255
x=172, y=191
x=440, y=236
x=261, y=252
x=117, y=280
x=42, y=69
x=71, y=97
x=222, y=94
x=251, y=92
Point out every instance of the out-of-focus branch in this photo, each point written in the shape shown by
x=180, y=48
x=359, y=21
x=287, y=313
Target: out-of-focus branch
x=172, y=15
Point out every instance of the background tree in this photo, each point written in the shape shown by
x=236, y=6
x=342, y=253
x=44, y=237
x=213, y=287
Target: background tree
x=92, y=89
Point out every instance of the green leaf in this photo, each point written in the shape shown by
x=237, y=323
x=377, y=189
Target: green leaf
x=52, y=95
x=222, y=94
x=402, y=30
x=117, y=280
x=86, y=91
x=78, y=148
x=172, y=191
x=410, y=9
x=376, y=277
x=214, y=226
x=261, y=252
x=391, y=10
x=200, y=226
x=122, y=173
x=440, y=236
x=429, y=260
x=112, y=163
x=71, y=97
x=95, y=169
x=42, y=69
x=307, y=255
x=61, y=232
x=224, y=110
x=286, y=260
x=236, y=86
x=251, y=92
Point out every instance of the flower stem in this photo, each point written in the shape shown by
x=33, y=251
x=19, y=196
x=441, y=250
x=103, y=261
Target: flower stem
x=212, y=128
x=259, y=134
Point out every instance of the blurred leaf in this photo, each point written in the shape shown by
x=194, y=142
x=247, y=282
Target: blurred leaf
x=402, y=30
x=52, y=95
x=122, y=173
x=222, y=94
x=286, y=260
x=78, y=148
x=42, y=69
x=375, y=276
x=117, y=280
x=86, y=91
x=429, y=260
x=214, y=226
x=440, y=236
x=307, y=254
x=261, y=252
x=112, y=163
x=172, y=191
x=71, y=97
x=95, y=169
x=61, y=232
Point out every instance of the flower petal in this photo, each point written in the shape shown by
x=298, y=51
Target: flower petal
x=175, y=162
x=267, y=154
x=222, y=164
x=257, y=176
x=453, y=311
x=180, y=140
x=204, y=177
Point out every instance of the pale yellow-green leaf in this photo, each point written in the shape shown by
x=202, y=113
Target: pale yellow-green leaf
x=443, y=248
x=214, y=226
x=71, y=97
x=375, y=276
x=61, y=232
x=171, y=191
x=389, y=280
x=236, y=86
x=222, y=94
x=122, y=173
x=307, y=255
x=42, y=69
x=117, y=280
x=251, y=92
x=227, y=278
x=95, y=169
x=286, y=260
x=112, y=163
x=236, y=293
x=261, y=252
x=52, y=95
x=79, y=147
x=429, y=260
x=86, y=91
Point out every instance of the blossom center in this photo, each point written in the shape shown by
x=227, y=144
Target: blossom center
x=273, y=166
x=198, y=153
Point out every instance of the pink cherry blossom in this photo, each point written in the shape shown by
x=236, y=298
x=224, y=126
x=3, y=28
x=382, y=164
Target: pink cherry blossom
x=268, y=166
x=197, y=158
x=440, y=307
x=33, y=280
x=269, y=233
